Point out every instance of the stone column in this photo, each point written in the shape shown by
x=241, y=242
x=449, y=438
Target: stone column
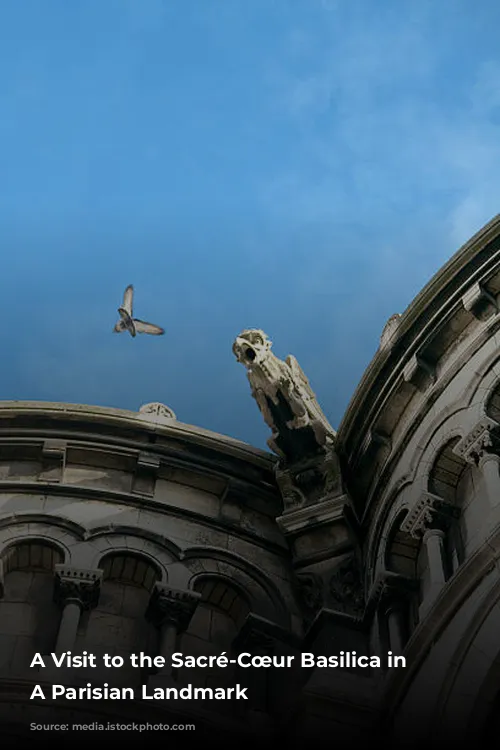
x=75, y=590
x=481, y=448
x=394, y=593
x=433, y=539
x=170, y=610
x=489, y=464
x=430, y=520
x=395, y=627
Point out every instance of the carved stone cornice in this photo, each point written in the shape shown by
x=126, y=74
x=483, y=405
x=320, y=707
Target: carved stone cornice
x=325, y=512
x=79, y=585
x=172, y=606
x=429, y=511
x=480, y=441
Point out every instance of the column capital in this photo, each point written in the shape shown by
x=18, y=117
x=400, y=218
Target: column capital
x=78, y=585
x=168, y=605
x=480, y=442
x=431, y=511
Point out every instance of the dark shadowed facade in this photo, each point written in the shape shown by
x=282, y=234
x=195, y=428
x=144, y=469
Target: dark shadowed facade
x=127, y=532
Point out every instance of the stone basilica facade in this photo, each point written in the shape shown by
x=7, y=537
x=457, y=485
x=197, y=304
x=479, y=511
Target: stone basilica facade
x=127, y=532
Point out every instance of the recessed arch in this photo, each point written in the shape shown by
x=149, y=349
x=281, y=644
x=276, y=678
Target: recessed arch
x=130, y=568
x=263, y=594
x=446, y=472
x=34, y=555
x=402, y=550
x=223, y=595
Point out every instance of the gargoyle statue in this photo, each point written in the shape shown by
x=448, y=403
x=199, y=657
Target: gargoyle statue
x=285, y=398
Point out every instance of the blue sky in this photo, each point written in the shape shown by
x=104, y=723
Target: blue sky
x=301, y=166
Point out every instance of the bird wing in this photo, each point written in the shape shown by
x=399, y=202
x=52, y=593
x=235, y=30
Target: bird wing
x=128, y=299
x=142, y=327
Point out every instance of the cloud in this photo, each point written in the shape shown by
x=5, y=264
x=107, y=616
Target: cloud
x=385, y=126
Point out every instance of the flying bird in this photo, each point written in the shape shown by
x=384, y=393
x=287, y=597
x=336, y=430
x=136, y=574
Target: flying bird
x=133, y=325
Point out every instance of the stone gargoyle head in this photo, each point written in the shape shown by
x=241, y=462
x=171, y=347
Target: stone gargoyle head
x=251, y=347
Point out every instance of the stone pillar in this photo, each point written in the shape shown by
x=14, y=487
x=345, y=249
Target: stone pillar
x=75, y=590
x=481, y=448
x=170, y=610
x=395, y=627
x=429, y=520
x=433, y=539
x=394, y=593
x=489, y=464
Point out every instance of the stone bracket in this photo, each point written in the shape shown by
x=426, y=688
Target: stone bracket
x=374, y=441
x=419, y=372
x=170, y=605
x=480, y=302
x=79, y=584
x=53, y=461
x=260, y=636
x=144, y=481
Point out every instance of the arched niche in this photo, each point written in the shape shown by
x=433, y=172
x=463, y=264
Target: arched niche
x=117, y=626
x=402, y=553
x=219, y=615
x=29, y=618
x=448, y=480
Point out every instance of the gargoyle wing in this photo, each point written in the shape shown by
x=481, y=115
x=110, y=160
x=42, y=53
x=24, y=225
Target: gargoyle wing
x=299, y=375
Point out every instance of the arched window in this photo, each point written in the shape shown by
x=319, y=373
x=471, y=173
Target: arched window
x=217, y=620
x=445, y=480
x=29, y=618
x=117, y=626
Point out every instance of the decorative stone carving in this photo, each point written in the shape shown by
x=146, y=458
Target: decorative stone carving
x=284, y=397
x=429, y=511
x=157, y=411
x=479, y=442
x=172, y=606
x=292, y=496
x=346, y=589
x=309, y=587
x=389, y=331
x=77, y=584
